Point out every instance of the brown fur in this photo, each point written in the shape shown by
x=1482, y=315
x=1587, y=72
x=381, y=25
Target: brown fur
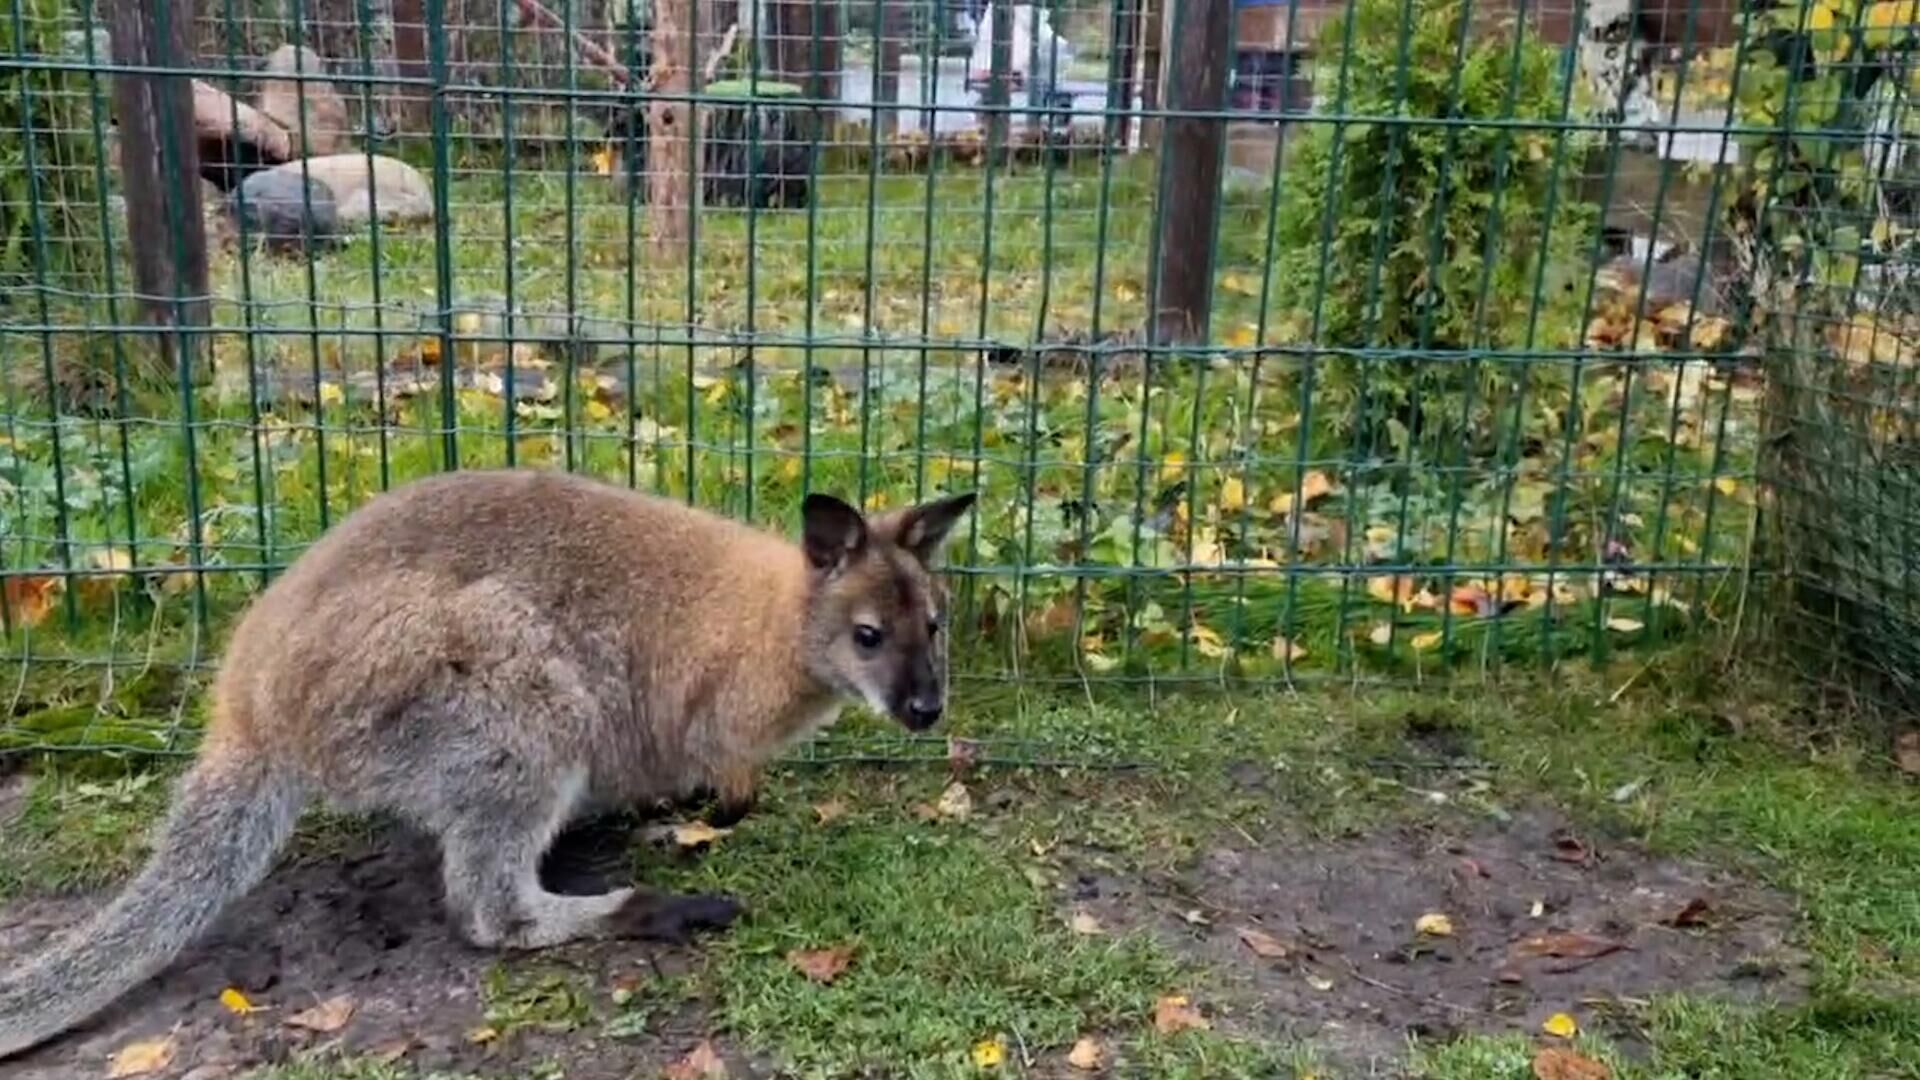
x=490, y=655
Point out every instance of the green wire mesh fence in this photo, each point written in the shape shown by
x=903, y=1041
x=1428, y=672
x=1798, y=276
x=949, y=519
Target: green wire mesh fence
x=1348, y=340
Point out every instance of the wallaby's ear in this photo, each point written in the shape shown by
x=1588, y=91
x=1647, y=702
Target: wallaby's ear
x=832, y=531
x=923, y=529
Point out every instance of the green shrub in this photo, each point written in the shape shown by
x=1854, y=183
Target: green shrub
x=1433, y=236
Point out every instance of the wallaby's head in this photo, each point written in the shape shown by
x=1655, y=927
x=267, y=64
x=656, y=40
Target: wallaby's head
x=876, y=615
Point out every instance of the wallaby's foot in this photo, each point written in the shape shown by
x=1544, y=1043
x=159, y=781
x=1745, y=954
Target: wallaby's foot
x=672, y=919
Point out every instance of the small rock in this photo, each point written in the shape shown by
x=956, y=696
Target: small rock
x=281, y=207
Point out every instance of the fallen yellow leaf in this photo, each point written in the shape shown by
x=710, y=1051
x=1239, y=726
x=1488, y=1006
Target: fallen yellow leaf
x=1174, y=1013
x=236, y=1002
x=693, y=834
x=1392, y=589
x=1620, y=624
x=141, y=1058
x=989, y=1053
x=1433, y=924
x=1381, y=634
x=1086, y=1054
x=1173, y=468
x=1726, y=485
x=830, y=811
x=1244, y=336
x=1562, y=1025
x=1085, y=924
x=1233, y=494
x=1284, y=649
x=1426, y=641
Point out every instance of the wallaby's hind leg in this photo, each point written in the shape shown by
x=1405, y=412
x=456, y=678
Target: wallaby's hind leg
x=492, y=853
x=492, y=844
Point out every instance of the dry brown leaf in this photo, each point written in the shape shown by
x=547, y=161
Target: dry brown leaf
x=1560, y=1063
x=1263, y=943
x=1086, y=1055
x=1693, y=914
x=1906, y=753
x=821, y=965
x=1314, y=484
x=1567, y=946
x=955, y=802
x=327, y=1017
x=1472, y=600
x=830, y=811
x=962, y=753
x=392, y=1050
x=701, y=1061
x=1085, y=924
x=1174, y=1013
x=141, y=1058
x=30, y=599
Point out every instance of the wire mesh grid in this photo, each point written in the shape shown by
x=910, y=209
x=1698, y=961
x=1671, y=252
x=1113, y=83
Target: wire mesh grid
x=1348, y=341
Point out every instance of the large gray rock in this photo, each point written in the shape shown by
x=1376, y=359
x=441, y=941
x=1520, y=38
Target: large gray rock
x=362, y=183
x=281, y=208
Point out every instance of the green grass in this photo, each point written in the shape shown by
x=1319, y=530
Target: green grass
x=957, y=926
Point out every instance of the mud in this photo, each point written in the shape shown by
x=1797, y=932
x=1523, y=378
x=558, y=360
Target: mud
x=1356, y=979
x=366, y=921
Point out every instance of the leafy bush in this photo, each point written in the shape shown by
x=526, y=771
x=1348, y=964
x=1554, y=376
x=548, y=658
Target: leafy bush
x=1827, y=227
x=1433, y=236
x=55, y=166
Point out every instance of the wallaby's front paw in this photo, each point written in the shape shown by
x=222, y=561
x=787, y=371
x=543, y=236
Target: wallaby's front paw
x=673, y=919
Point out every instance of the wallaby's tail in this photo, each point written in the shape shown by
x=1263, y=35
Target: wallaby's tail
x=231, y=813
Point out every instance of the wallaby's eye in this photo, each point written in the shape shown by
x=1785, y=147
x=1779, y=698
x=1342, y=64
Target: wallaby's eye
x=867, y=637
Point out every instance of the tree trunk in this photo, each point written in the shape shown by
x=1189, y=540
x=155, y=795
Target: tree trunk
x=670, y=130
x=1190, y=163
x=160, y=172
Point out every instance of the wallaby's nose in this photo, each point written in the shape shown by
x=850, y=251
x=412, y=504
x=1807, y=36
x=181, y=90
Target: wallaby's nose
x=923, y=713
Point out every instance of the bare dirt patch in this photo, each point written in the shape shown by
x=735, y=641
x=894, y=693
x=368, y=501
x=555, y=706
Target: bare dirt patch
x=1317, y=942
x=367, y=923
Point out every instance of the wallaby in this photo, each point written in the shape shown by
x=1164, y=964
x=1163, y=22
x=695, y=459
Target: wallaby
x=489, y=655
